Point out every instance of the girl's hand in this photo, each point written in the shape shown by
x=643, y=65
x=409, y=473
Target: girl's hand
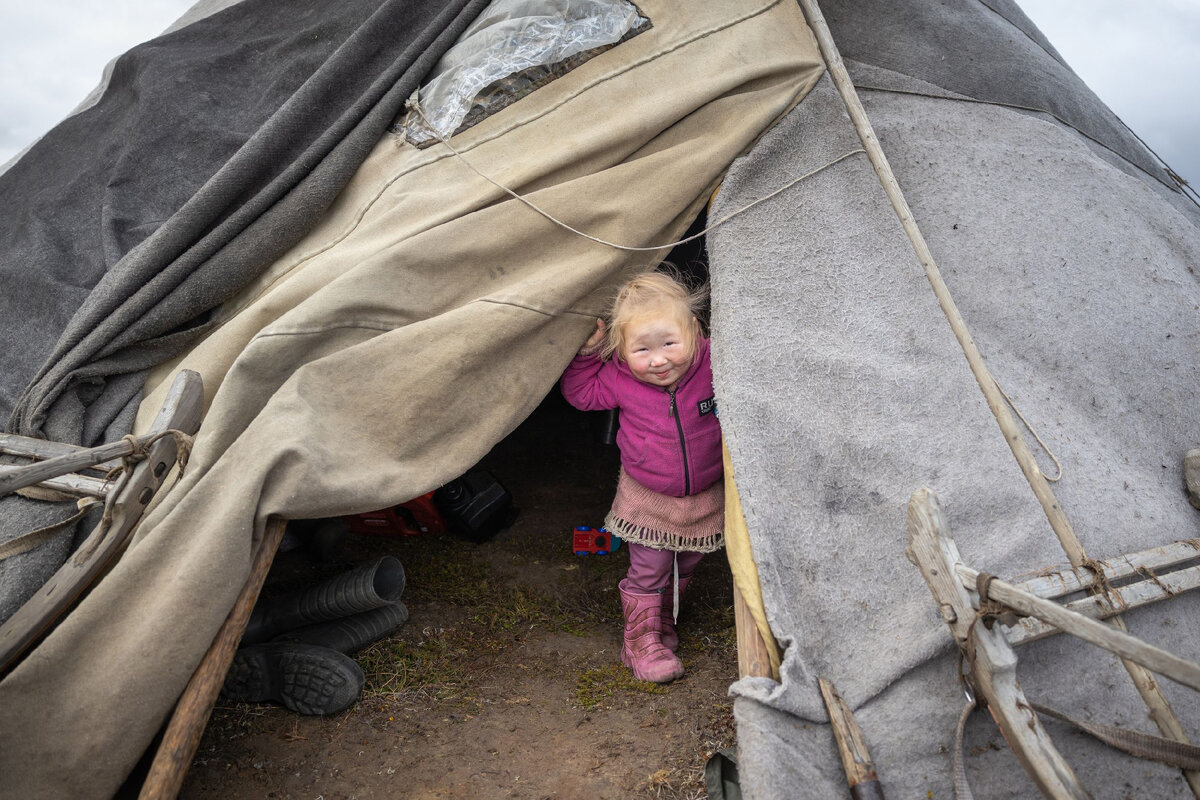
x=595, y=340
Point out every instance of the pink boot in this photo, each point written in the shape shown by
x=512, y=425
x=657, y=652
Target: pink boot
x=643, y=651
x=670, y=638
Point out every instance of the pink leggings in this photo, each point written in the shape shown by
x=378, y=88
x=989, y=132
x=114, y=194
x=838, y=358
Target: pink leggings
x=650, y=570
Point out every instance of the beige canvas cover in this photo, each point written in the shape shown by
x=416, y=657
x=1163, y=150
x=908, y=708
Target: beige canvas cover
x=419, y=323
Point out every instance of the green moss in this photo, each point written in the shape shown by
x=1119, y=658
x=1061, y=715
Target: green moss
x=595, y=686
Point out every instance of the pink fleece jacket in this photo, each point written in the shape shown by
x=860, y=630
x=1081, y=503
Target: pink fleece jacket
x=670, y=441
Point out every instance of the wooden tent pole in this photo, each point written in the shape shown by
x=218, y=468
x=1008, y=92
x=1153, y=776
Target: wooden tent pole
x=991, y=392
x=186, y=725
x=753, y=658
x=1147, y=687
x=852, y=747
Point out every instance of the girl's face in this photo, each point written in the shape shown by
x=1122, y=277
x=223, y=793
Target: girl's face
x=658, y=350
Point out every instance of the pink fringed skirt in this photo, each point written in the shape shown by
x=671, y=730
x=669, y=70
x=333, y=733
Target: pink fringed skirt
x=645, y=517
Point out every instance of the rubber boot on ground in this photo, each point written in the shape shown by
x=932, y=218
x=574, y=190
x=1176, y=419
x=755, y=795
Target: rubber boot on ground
x=350, y=634
x=643, y=650
x=304, y=678
x=362, y=589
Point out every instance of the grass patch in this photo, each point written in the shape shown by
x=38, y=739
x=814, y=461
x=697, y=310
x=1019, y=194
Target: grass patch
x=431, y=667
x=708, y=630
x=521, y=608
x=680, y=783
x=231, y=721
x=442, y=663
x=441, y=569
x=597, y=685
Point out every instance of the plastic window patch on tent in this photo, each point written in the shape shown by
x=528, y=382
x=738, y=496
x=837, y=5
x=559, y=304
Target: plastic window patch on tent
x=512, y=48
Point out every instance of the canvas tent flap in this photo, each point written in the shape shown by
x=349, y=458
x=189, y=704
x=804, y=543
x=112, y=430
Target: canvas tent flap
x=422, y=319
x=1077, y=281
x=209, y=150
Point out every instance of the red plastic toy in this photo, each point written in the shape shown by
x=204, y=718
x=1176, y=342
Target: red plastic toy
x=413, y=518
x=587, y=540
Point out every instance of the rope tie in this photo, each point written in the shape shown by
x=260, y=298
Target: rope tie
x=141, y=449
x=1102, y=585
x=966, y=662
x=962, y=787
x=1149, y=573
x=1143, y=745
x=27, y=541
x=1045, y=448
x=138, y=450
x=991, y=611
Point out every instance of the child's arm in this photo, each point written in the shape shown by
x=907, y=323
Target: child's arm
x=587, y=383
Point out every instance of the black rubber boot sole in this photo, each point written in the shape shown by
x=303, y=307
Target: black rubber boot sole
x=303, y=678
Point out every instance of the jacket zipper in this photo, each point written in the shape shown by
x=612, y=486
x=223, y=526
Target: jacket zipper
x=674, y=412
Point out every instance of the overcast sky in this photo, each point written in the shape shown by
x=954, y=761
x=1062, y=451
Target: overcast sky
x=53, y=52
x=1143, y=59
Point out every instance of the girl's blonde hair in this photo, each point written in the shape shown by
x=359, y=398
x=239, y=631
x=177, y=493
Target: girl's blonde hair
x=653, y=294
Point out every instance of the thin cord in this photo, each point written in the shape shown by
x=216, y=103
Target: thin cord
x=1028, y=427
x=416, y=106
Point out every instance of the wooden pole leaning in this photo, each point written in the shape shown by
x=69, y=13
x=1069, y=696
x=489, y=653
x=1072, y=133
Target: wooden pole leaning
x=186, y=726
x=852, y=747
x=1164, y=717
x=994, y=669
x=753, y=660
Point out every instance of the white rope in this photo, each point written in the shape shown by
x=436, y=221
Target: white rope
x=1028, y=427
x=416, y=106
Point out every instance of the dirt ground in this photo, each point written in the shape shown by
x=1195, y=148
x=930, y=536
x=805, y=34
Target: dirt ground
x=506, y=681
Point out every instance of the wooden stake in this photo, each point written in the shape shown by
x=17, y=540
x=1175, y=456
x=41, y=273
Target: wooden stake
x=753, y=658
x=856, y=761
x=186, y=726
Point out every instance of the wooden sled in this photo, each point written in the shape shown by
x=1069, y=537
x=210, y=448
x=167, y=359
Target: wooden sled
x=992, y=662
x=81, y=472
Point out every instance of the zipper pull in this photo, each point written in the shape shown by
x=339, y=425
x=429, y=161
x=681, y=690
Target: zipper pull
x=671, y=410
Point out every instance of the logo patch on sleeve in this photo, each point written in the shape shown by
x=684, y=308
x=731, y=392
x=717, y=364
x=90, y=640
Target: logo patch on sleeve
x=708, y=406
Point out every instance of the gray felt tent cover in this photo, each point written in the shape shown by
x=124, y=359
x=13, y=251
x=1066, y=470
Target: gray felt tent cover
x=1068, y=249
x=1073, y=259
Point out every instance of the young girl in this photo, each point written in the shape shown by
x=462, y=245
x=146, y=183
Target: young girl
x=653, y=364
